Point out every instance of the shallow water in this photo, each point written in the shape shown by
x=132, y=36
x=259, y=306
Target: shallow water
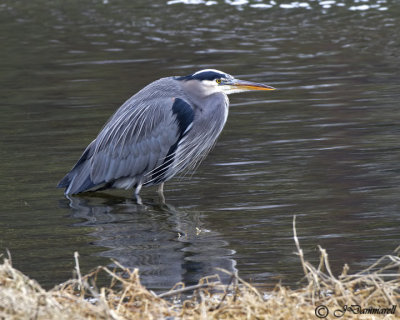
x=324, y=147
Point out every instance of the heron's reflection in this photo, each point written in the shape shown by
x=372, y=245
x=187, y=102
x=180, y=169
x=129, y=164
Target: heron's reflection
x=167, y=244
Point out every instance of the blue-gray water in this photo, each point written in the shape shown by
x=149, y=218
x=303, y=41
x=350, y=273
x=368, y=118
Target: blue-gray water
x=324, y=147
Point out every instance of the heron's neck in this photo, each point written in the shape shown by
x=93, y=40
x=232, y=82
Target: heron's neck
x=199, y=96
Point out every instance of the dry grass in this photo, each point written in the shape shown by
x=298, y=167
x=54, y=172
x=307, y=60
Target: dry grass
x=376, y=287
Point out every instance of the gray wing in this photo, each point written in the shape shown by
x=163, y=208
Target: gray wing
x=140, y=140
x=137, y=144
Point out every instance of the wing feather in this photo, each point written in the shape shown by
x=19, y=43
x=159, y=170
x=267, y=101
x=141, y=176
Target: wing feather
x=136, y=142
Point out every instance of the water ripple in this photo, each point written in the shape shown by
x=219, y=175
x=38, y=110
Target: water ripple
x=321, y=4
x=251, y=208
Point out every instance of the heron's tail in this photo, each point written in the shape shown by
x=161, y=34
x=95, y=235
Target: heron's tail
x=78, y=179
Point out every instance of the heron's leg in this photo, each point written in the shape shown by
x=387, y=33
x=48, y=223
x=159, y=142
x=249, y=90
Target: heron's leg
x=138, y=188
x=138, y=199
x=136, y=194
x=160, y=192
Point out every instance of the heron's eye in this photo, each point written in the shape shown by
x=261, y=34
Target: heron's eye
x=218, y=81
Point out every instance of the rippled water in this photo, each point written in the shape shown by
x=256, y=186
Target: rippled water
x=324, y=147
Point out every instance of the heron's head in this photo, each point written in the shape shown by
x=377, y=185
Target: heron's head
x=210, y=81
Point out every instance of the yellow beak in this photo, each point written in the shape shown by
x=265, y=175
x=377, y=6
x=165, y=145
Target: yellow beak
x=248, y=85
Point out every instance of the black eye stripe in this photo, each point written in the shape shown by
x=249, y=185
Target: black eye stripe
x=206, y=75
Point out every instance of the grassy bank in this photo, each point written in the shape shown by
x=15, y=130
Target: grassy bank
x=371, y=294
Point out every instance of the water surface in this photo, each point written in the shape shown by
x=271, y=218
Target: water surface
x=324, y=147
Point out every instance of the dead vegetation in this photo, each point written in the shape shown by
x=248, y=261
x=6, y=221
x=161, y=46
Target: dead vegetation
x=370, y=294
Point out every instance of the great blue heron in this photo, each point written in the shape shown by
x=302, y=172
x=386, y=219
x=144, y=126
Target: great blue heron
x=167, y=127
